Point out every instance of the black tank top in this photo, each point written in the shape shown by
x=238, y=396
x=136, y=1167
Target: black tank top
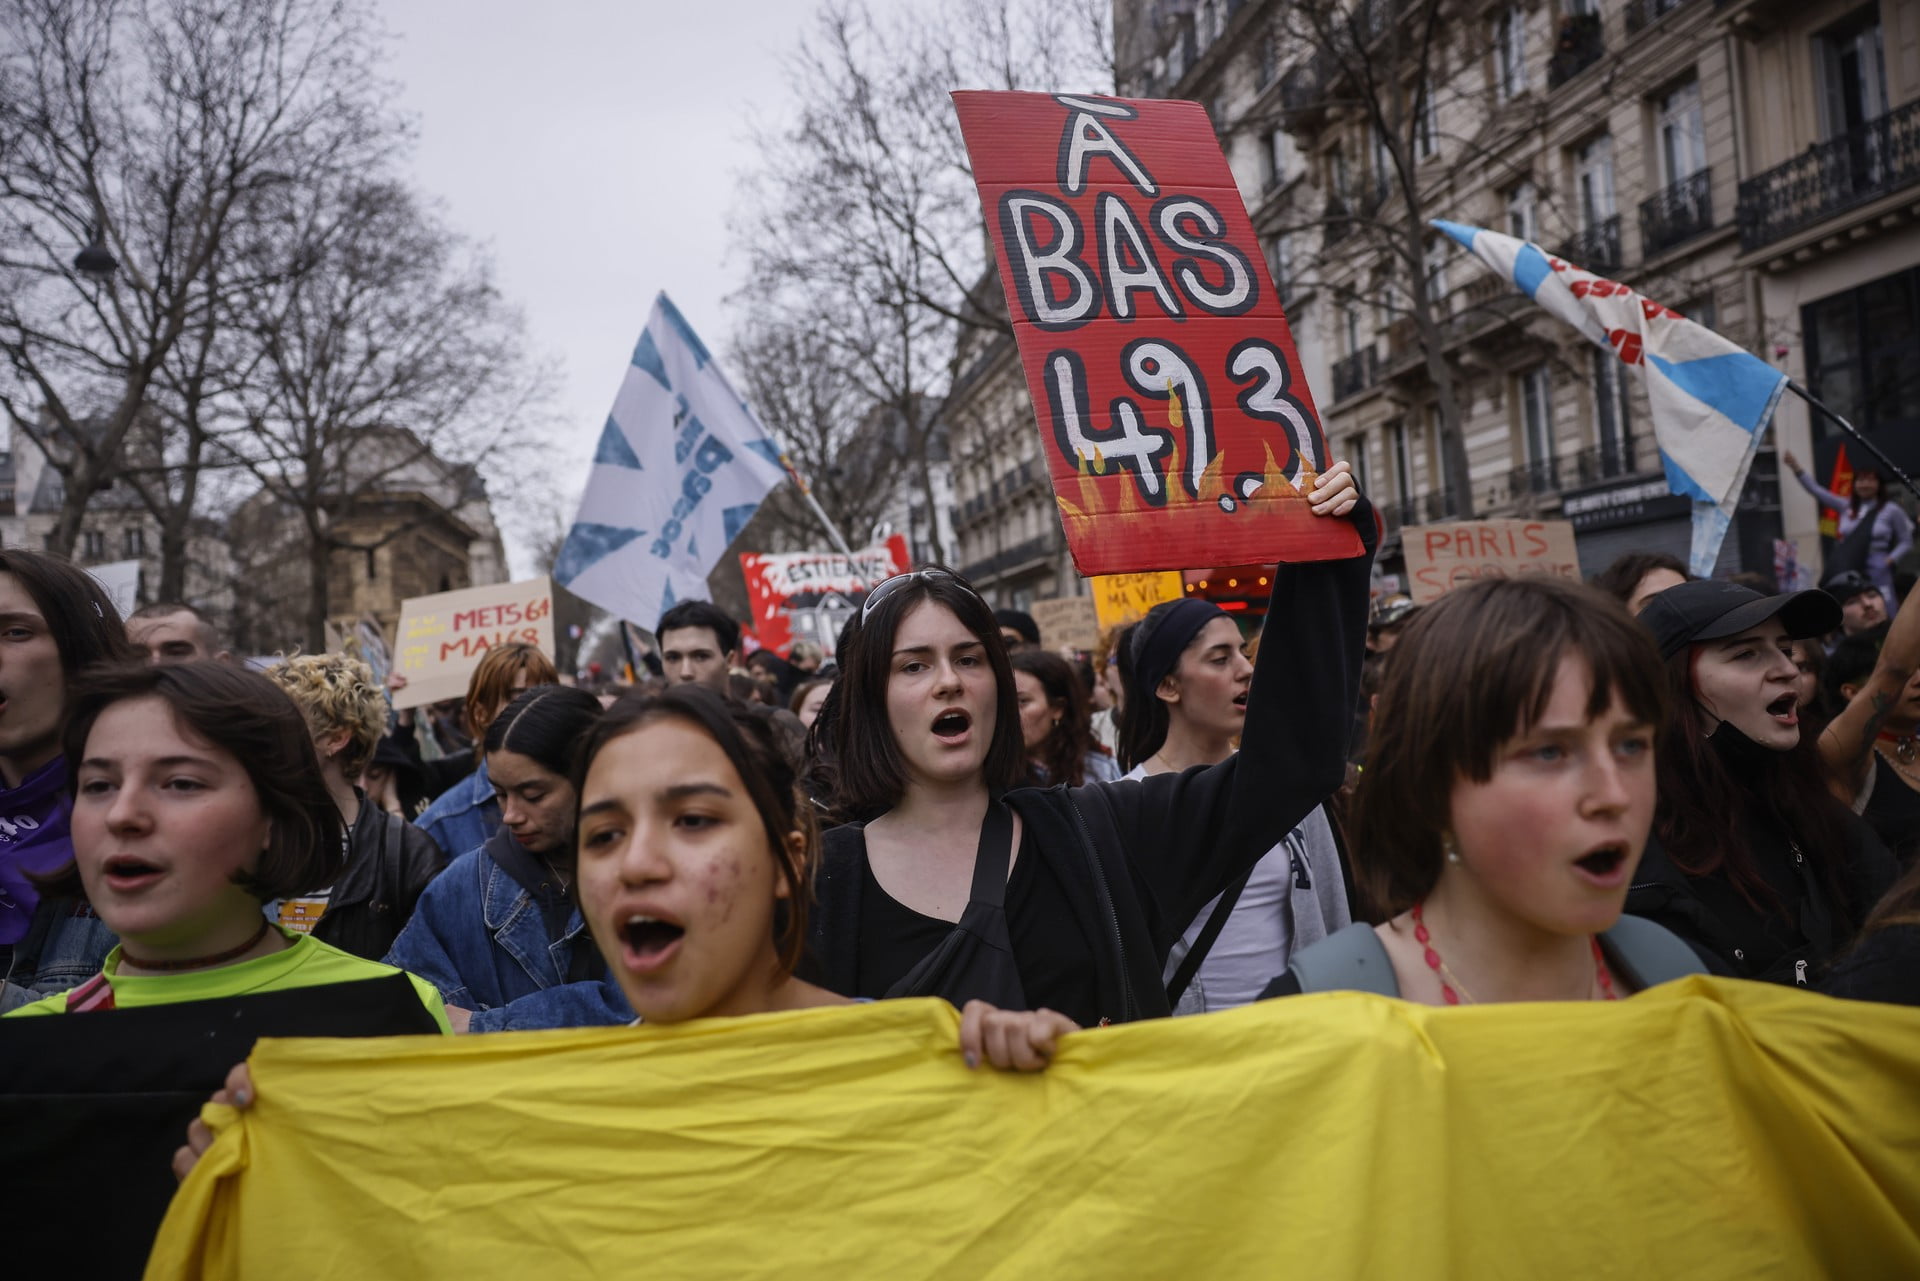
x=1893, y=811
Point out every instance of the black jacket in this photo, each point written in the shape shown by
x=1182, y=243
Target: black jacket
x=1141, y=858
x=1735, y=938
x=389, y=862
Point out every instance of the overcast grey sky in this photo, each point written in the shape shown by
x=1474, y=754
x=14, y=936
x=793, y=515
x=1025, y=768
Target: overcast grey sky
x=594, y=145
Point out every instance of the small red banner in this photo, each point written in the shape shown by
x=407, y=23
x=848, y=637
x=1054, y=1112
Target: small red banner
x=1176, y=422
x=811, y=595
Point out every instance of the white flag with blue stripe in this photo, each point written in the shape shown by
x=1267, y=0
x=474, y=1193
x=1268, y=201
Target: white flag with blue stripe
x=1711, y=400
x=681, y=466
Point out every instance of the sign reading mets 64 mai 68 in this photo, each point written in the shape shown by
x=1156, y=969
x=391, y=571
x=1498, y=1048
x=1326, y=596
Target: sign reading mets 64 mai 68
x=1177, y=424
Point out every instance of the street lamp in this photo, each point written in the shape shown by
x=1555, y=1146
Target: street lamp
x=96, y=262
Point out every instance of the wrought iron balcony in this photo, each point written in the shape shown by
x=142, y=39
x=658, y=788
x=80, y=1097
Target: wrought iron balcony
x=1607, y=461
x=1642, y=14
x=1578, y=47
x=1354, y=374
x=1397, y=512
x=1540, y=476
x=1677, y=214
x=1019, y=554
x=1831, y=177
x=1302, y=88
x=1597, y=248
x=1338, y=220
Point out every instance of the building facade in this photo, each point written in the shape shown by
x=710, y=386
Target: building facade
x=1753, y=164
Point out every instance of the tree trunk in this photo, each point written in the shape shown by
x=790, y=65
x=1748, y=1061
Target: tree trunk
x=318, y=548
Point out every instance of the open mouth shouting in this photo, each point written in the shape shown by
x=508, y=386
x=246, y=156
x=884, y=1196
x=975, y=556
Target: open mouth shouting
x=952, y=726
x=1604, y=866
x=1784, y=709
x=648, y=942
x=126, y=874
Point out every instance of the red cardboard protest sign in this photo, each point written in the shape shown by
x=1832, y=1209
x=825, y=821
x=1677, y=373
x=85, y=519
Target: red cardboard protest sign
x=810, y=595
x=1177, y=425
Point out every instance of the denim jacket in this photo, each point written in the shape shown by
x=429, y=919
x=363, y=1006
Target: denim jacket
x=66, y=945
x=478, y=937
x=463, y=816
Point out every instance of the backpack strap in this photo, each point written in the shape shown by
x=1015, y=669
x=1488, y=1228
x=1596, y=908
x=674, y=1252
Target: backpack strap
x=1647, y=953
x=1203, y=944
x=1348, y=960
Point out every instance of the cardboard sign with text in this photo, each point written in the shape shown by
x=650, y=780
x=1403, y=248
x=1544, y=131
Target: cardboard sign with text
x=1176, y=422
x=1443, y=557
x=1067, y=622
x=1121, y=598
x=443, y=637
x=811, y=595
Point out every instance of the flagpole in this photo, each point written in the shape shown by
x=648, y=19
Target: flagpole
x=1854, y=432
x=806, y=492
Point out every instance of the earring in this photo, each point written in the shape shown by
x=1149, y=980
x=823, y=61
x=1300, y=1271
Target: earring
x=1446, y=844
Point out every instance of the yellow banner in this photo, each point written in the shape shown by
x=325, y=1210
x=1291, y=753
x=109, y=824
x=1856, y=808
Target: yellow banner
x=1706, y=1129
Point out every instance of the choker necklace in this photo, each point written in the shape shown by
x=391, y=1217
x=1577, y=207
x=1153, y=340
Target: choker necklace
x=1905, y=746
x=1452, y=989
x=196, y=962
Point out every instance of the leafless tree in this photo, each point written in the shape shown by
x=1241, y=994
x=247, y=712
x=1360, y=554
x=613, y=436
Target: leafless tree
x=150, y=130
x=388, y=362
x=863, y=228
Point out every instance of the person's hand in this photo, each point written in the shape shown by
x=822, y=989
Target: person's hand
x=1012, y=1040
x=1334, y=493
x=1793, y=464
x=460, y=1020
x=237, y=1092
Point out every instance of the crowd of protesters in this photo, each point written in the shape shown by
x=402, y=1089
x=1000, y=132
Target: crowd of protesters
x=1527, y=790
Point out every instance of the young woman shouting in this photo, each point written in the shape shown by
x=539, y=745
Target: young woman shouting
x=1507, y=794
x=1067, y=898
x=1755, y=862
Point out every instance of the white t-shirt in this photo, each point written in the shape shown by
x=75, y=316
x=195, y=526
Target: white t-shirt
x=1295, y=898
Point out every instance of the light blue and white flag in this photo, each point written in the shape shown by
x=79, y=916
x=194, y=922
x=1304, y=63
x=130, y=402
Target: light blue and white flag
x=1711, y=400
x=681, y=466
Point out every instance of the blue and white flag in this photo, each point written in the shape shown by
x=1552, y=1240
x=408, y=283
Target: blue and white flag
x=1711, y=400
x=681, y=466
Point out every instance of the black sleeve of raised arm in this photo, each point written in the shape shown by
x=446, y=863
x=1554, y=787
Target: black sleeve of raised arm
x=1190, y=835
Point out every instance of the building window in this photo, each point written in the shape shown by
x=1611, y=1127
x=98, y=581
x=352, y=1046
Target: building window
x=1436, y=272
x=1593, y=182
x=1382, y=164
x=135, y=540
x=1860, y=356
x=1853, y=78
x=1338, y=175
x=1350, y=316
x=1523, y=212
x=1279, y=157
x=1280, y=263
x=1682, y=133
x=1612, y=421
x=1426, y=125
x=1510, y=52
x=1269, y=60
x=1402, y=463
x=1357, y=455
x=93, y=544
x=1536, y=414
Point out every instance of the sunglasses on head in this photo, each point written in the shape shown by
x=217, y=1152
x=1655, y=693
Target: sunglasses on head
x=894, y=584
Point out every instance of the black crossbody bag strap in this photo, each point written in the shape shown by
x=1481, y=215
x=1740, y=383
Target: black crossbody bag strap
x=1196, y=955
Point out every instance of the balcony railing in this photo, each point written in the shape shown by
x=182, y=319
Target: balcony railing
x=1538, y=476
x=1608, y=461
x=1597, y=248
x=1338, y=219
x=1831, y=177
x=1019, y=554
x=1678, y=214
x=1578, y=47
x=1354, y=374
x=1642, y=14
x=1300, y=88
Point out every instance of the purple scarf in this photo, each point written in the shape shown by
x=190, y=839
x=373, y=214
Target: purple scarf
x=33, y=838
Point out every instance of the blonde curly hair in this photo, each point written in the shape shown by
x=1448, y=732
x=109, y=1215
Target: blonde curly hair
x=336, y=692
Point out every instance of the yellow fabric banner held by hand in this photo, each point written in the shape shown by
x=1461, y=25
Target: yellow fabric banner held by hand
x=1706, y=1129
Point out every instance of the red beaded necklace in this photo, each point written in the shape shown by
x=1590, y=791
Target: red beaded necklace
x=1452, y=990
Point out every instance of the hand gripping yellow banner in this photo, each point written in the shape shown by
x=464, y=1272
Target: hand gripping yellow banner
x=1706, y=1129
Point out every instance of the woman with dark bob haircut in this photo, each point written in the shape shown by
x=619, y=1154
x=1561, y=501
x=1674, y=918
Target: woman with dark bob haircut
x=957, y=881
x=1505, y=802
x=197, y=800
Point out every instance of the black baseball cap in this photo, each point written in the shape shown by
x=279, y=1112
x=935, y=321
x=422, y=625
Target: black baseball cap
x=1843, y=587
x=1713, y=609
